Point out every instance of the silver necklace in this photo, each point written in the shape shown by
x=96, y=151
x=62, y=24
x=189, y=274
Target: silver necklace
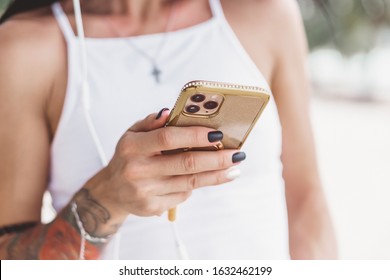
x=156, y=70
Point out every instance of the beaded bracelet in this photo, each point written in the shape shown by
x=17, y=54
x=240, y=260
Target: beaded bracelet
x=83, y=233
x=16, y=228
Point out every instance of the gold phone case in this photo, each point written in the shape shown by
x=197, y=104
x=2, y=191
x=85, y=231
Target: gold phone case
x=230, y=108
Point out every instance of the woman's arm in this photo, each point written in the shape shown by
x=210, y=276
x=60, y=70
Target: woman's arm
x=311, y=231
x=26, y=77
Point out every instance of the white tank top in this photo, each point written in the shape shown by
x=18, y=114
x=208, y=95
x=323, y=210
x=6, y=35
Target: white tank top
x=244, y=219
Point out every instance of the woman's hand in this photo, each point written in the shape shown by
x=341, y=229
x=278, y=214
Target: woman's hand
x=140, y=180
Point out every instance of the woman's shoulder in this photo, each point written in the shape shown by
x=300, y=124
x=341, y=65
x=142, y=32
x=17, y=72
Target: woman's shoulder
x=275, y=15
x=28, y=32
x=267, y=8
x=30, y=50
x=267, y=29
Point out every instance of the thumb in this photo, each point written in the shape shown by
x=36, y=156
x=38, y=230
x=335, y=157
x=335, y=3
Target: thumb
x=151, y=122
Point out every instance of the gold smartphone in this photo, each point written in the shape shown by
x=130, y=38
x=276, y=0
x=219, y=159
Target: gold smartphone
x=230, y=108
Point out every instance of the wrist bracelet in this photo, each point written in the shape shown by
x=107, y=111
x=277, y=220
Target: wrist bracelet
x=83, y=233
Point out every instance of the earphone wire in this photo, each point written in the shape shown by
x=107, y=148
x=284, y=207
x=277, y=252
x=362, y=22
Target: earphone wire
x=86, y=104
x=181, y=249
x=85, y=84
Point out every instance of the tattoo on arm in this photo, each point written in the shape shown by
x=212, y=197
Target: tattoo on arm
x=94, y=215
x=61, y=238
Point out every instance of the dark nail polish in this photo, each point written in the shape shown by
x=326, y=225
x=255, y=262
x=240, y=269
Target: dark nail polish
x=160, y=113
x=215, y=136
x=237, y=157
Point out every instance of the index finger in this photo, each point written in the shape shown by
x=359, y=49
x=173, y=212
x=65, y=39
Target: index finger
x=171, y=138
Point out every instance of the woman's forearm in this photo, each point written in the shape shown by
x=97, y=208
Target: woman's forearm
x=310, y=228
x=61, y=239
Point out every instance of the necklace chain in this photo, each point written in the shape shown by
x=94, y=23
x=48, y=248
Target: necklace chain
x=156, y=71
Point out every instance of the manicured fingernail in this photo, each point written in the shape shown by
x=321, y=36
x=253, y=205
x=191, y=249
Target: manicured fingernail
x=237, y=157
x=233, y=173
x=215, y=136
x=160, y=113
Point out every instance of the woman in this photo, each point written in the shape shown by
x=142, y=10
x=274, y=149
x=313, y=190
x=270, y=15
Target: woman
x=139, y=54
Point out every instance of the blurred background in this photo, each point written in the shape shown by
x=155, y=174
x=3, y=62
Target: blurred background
x=349, y=63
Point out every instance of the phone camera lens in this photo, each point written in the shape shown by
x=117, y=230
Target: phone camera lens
x=198, y=98
x=192, y=109
x=210, y=105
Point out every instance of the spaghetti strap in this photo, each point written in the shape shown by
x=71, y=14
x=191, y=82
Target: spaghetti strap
x=63, y=21
x=216, y=9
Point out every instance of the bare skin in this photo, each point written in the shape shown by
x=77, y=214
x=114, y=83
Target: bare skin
x=30, y=108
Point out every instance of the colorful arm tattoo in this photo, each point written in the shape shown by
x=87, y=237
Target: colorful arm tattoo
x=61, y=238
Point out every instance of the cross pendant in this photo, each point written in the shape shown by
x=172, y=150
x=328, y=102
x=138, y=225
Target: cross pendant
x=156, y=73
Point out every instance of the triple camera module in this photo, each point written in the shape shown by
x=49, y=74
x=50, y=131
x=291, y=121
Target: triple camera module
x=203, y=104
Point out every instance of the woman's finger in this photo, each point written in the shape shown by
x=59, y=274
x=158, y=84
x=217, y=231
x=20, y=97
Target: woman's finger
x=171, y=138
x=193, y=162
x=186, y=183
x=171, y=201
x=151, y=122
x=186, y=163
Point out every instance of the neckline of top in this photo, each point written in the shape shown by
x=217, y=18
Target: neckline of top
x=153, y=36
x=61, y=16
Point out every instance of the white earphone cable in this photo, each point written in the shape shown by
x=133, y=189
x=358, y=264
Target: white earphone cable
x=85, y=84
x=181, y=248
